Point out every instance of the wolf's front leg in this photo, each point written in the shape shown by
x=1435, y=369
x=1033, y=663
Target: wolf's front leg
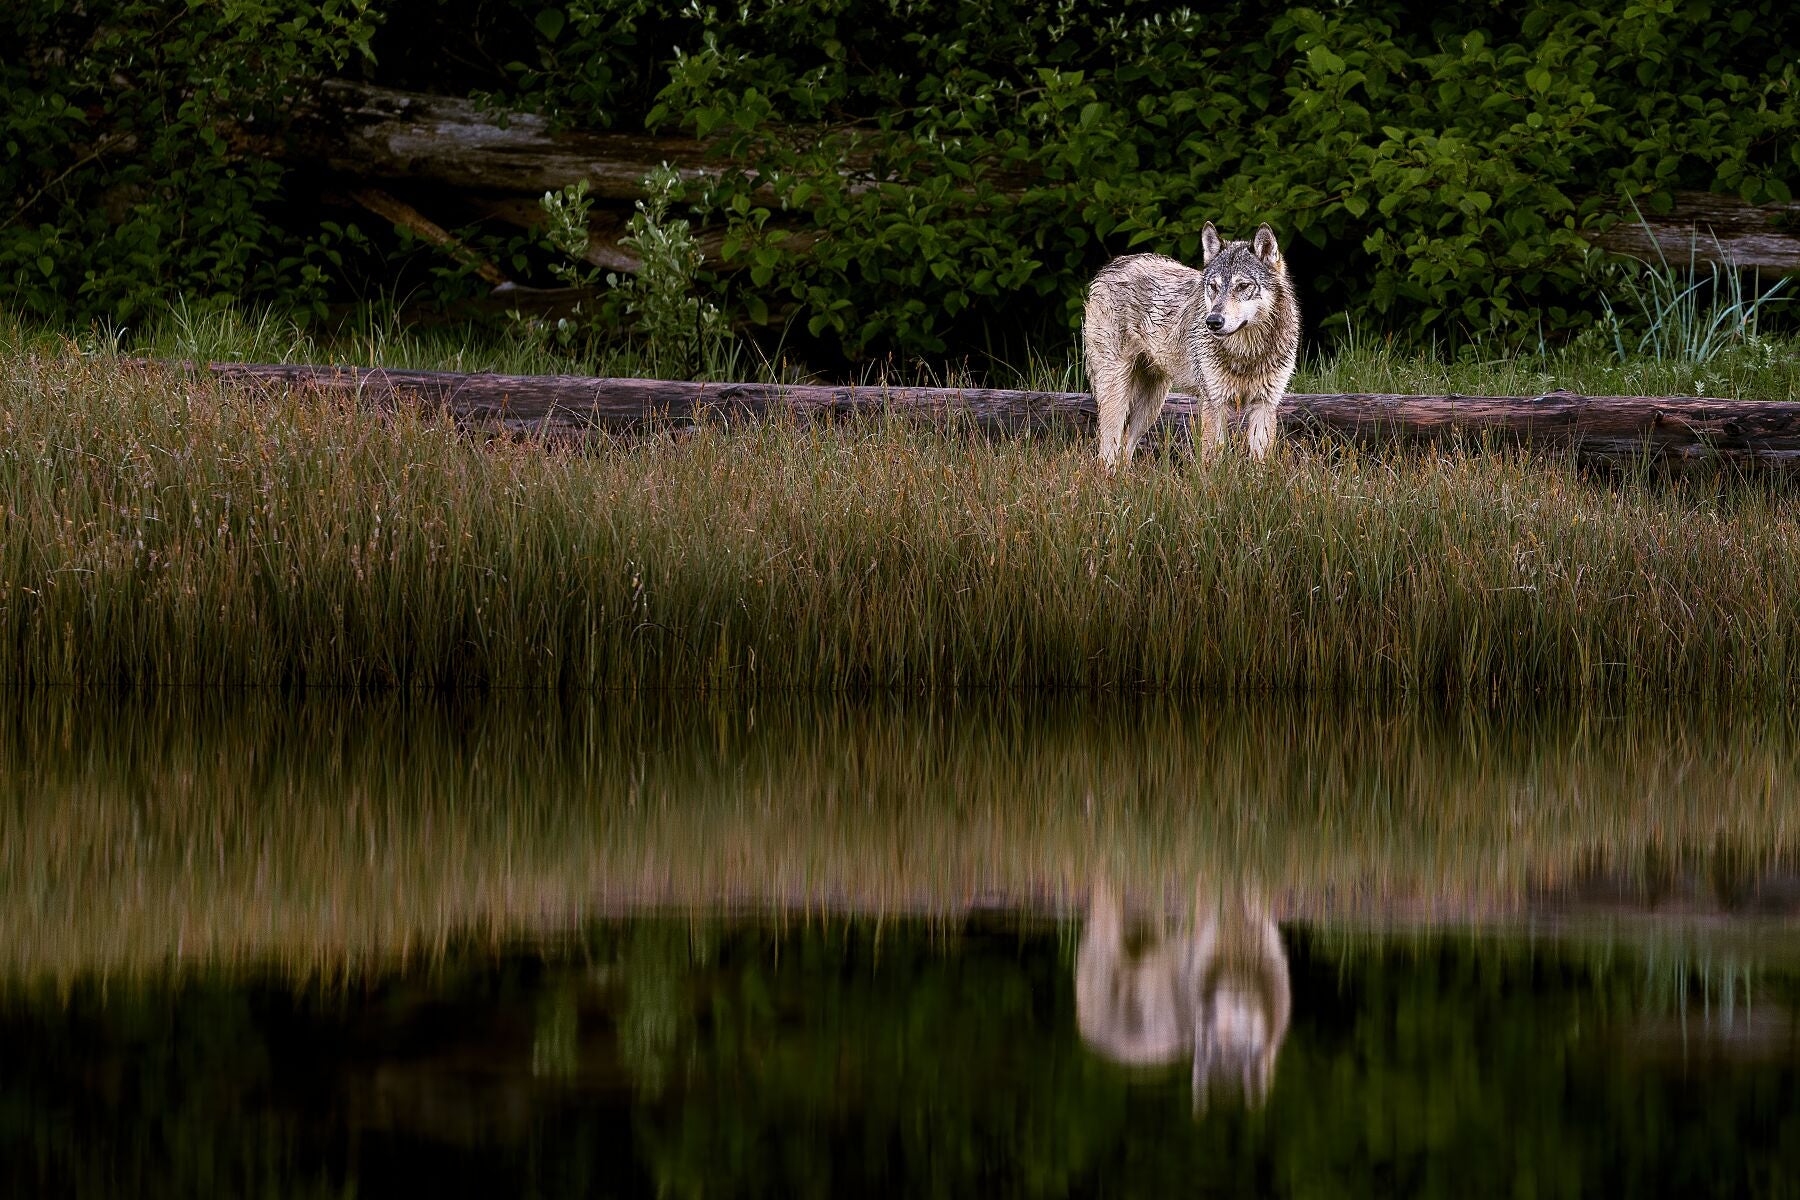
x=1212, y=427
x=1259, y=428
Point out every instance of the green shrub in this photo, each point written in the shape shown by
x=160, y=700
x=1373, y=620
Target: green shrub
x=1429, y=167
x=130, y=173
x=675, y=332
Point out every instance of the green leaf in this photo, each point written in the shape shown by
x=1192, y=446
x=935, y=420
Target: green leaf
x=1324, y=61
x=550, y=23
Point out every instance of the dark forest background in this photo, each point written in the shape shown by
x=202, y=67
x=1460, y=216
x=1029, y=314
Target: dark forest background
x=888, y=175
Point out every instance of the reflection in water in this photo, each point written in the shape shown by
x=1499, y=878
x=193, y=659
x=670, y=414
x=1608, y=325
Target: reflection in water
x=268, y=946
x=907, y=1057
x=183, y=827
x=1213, y=989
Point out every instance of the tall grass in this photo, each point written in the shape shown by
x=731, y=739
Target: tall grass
x=167, y=531
x=202, y=827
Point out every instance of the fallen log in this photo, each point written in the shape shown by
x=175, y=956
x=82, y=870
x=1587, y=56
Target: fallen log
x=1709, y=228
x=370, y=132
x=1681, y=428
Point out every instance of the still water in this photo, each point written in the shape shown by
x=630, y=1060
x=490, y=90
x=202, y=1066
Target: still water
x=514, y=947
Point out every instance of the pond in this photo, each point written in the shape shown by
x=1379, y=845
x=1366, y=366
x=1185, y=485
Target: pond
x=1055, y=946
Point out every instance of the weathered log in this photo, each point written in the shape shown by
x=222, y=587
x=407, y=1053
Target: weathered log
x=1708, y=228
x=501, y=163
x=379, y=133
x=1611, y=427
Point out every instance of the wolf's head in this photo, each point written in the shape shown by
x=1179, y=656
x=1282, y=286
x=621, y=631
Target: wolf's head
x=1239, y=281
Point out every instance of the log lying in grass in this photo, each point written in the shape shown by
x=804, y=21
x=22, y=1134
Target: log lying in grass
x=1681, y=428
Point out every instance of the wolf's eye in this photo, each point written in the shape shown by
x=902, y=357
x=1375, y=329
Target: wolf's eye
x=1246, y=288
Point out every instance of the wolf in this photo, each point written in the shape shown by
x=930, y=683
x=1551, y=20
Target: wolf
x=1216, y=990
x=1229, y=333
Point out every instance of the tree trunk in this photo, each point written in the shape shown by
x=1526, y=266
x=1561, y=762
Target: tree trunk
x=1612, y=427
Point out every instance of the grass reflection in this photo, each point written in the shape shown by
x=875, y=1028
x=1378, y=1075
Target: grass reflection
x=320, y=833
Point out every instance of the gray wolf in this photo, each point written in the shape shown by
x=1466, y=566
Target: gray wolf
x=1216, y=989
x=1229, y=333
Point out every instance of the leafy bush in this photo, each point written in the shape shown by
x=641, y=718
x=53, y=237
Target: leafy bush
x=1429, y=166
x=676, y=331
x=966, y=164
x=129, y=168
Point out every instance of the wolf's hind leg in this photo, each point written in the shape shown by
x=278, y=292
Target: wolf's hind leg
x=1112, y=397
x=1148, y=391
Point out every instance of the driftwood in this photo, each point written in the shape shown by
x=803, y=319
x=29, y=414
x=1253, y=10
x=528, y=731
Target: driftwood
x=379, y=133
x=1682, y=428
x=495, y=160
x=495, y=165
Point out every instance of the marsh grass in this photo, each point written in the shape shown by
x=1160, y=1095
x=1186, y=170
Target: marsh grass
x=162, y=530
x=316, y=834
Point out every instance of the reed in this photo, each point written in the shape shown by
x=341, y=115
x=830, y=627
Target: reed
x=161, y=530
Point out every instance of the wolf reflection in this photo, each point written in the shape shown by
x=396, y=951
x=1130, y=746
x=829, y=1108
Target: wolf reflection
x=1215, y=989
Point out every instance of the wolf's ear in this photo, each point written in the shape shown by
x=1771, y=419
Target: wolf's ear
x=1266, y=249
x=1209, y=243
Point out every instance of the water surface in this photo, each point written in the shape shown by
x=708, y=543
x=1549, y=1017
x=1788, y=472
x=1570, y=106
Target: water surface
x=508, y=946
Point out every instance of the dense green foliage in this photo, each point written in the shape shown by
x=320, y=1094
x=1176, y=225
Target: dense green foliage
x=1425, y=165
x=126, y=177
x=969, y=163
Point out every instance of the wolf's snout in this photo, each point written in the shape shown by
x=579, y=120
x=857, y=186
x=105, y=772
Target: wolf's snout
x=1215, y=322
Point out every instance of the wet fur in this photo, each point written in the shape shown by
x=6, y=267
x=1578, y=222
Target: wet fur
x=1145, y=332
